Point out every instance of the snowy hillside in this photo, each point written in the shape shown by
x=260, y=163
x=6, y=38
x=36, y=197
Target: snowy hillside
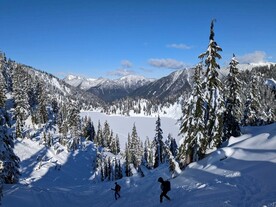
x=239, y=174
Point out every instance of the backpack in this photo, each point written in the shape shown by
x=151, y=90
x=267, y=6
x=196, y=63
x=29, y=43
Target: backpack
x=117, y=188
x=167, y=185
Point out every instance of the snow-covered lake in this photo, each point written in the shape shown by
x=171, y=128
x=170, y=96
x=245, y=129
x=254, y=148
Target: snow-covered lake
x=122, y=125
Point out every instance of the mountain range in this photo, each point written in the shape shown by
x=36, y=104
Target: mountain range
x=166, y=88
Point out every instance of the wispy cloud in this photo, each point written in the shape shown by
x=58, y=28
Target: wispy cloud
x=126, y=64
x=254, y=57
x=179, y=46
x=166, y=63
x=121, y=72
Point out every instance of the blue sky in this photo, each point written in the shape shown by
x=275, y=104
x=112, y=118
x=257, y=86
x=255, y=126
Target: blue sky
x=111, y=38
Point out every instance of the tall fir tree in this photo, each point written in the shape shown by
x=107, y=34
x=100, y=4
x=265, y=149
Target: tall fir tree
x=42, y=104
x=192, y=127
x=232, y=102
x=135, y=148
x=74, y=126
x=252, y=106
x=214, y=104
x=159, y=144
x=10, y=172
x=22, y=107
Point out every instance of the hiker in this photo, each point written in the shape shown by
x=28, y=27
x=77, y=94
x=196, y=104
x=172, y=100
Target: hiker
x=165, y=187
x=117, y=190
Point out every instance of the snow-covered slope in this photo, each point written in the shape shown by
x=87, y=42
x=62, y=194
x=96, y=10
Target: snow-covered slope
x=242, y=173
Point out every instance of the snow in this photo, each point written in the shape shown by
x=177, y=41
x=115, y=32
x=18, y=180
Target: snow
x=145, y=125
x=271, y=83
x=242, y=173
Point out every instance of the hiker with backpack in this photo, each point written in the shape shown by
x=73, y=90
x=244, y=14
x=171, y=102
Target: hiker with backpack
x=117, y=190
x=165, y=187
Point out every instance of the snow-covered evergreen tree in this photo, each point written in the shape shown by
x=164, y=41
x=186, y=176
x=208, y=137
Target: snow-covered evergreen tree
x=128, y=161
x=193, y=125
x=89, y=130
x=232, y=102
x=252, y=106
x=10, y=172
x=214, y=104
x=1, y=180
x=106, y=138
x=135, y=148
x=172, y=145
x=42, y=104
x=2, y=91
x=74, y=126
x=159, y=144
x=99, y=135
x=20, y=98
x=148, y=156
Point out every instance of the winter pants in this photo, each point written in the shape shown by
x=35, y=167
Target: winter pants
x=164, y=193
x=117, y=195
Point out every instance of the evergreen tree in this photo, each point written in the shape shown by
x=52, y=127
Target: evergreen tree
x=74, y=126
x=232, y=102
x=148, y=154
x=172, y=145
x=128, y=161
x=117, y=144
x=193, y=126
x=42, y=104
x=2, y=91
x=89, y=130
x=214, y=105
x=159, y=155
x=106, y=139
x=135, y=149
x=10, y=172
x=1, y=180
x=252, y=104
x=22, y=107
x=99, y=134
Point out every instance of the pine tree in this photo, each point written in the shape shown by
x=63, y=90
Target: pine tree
x=1, y=180
x=117, y=144
x=42, y=104
x=89, y=130
x=99, y=135
x=159, y=155
x=2, y=91
x=252, y=104
x=20, y=98
x=193, y=127
x=10, y=173
x=106, y=135
x=232, y=102
x=135, y=149
x=128, y=161
x=172, y=145
x=214, y=105
x=74, y=126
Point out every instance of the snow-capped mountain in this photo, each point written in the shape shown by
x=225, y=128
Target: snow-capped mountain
x=108, y=89
x=83, y=83
x=168, y=87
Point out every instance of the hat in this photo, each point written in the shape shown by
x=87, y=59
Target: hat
x=160, y=179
